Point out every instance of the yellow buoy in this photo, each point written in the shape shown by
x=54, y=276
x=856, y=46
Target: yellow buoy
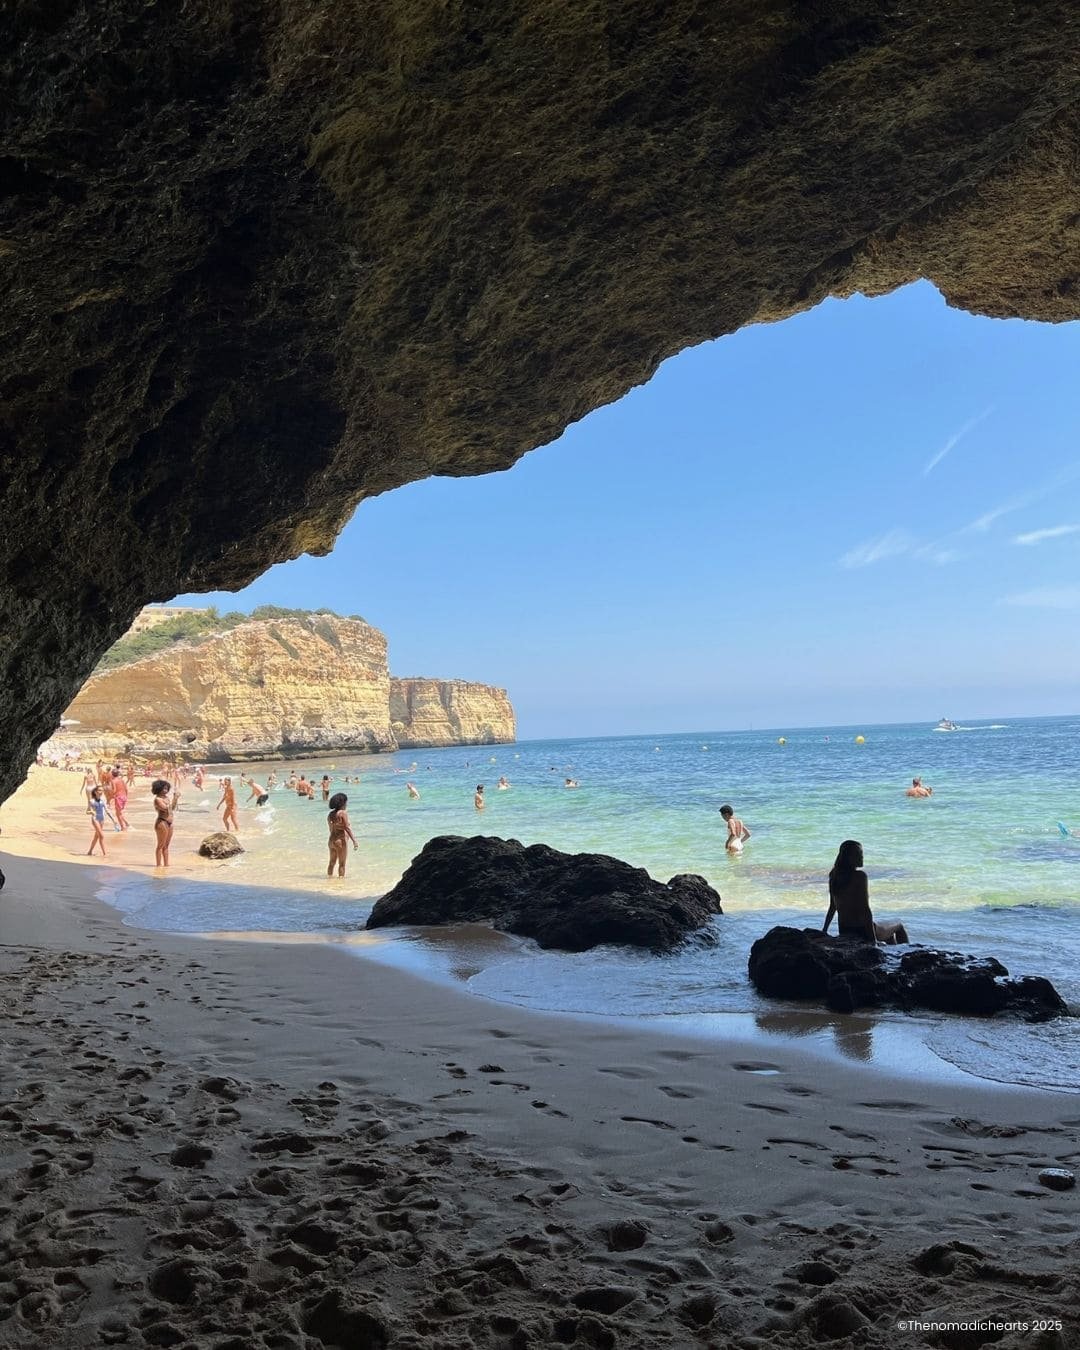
x=781, y=740
x=860, y=740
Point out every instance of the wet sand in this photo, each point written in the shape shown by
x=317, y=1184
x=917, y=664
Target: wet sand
x=240, y=1144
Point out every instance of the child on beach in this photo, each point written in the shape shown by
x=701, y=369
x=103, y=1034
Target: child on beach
x=340, y=830
x=98, y=811
x=163, y=821
x=737, y=831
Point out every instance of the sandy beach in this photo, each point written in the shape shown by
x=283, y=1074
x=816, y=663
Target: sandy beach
x=266, y=1144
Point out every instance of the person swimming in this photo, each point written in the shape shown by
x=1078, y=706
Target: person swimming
x=340, y=831
x=917, y=790
x=849, y=900
x=503, y=783
x=414, y=795
x=737, y=831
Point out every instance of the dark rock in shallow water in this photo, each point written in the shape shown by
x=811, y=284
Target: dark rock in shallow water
x=804, y=963
x=569, y=900
x=220, y=845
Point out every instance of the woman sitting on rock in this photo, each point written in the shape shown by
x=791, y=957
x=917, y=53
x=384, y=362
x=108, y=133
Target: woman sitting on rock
x=849, y=900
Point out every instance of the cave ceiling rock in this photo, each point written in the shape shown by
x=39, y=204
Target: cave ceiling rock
x=261, y=261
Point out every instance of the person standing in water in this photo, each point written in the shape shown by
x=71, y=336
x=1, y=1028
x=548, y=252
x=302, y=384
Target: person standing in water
x=413, y=794
x=98, y=811
x=119, y=799
x=259, y=795
x=228, y=800
x=917, y=790
x=737, y=833
x=325, y=786
x=340, y=831
x=163, y=821
x=478, y=797
x=849, y=900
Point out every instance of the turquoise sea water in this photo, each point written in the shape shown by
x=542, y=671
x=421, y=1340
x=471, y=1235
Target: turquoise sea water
x=980, y=866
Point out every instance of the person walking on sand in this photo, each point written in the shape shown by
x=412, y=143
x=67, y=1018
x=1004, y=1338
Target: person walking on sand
x=849, y=900
x=413, y=794
x=98, y=809
x=163, y=821
x=478, y=797
x=340, y=831
x=228, y=800
x=119, y=799
x=89, y=783
x=917, y=790
x=737, y=833
x=129, y=777
x=259, y=795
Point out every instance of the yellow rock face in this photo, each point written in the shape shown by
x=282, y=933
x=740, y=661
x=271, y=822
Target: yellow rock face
x=449, y=712
x=281, y=687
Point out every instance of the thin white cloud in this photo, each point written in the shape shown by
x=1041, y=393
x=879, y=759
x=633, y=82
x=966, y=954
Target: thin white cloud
x=1046, y=597
x=982, y=523
x=890, y=545
x=1038, y=536
x=1068, y=474
x=937, y=555
x=955, y=439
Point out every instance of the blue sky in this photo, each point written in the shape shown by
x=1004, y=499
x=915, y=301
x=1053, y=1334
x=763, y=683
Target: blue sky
x=867, y=513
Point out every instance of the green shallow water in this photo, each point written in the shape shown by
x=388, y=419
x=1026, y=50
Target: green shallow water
x=980, y=866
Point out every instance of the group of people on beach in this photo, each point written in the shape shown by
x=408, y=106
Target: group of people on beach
x=107, y=790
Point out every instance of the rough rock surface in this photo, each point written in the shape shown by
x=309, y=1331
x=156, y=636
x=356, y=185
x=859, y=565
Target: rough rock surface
x=278, y=687
x=449, y=712
x=573, y=901
x=259, y=262
x=220, y=845
x=804, y=963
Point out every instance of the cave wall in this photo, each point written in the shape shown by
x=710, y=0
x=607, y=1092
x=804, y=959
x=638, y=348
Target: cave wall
x=260, y=261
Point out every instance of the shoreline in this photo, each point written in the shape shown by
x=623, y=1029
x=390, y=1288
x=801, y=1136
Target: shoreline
x=895, y=1044
x=235, y=1141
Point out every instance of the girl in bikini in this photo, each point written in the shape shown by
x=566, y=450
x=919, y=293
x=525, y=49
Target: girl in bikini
x=163, y=823
x=849, y=900
x=340, y=831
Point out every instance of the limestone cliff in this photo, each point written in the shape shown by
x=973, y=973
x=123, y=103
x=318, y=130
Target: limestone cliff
x=286, y=687
x=449, y=712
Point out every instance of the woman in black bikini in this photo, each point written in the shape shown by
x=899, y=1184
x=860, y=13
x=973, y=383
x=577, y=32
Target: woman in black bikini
x=849, y=900
x=340, y=830
x=163, y=823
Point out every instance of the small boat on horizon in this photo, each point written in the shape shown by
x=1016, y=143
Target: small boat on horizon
x=946, y=725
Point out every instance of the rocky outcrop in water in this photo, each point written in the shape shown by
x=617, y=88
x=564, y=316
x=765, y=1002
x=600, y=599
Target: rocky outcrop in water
x=288, y=687
x=845, y=974
x=572, y=901
x=260, y=262
x=220, y=845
